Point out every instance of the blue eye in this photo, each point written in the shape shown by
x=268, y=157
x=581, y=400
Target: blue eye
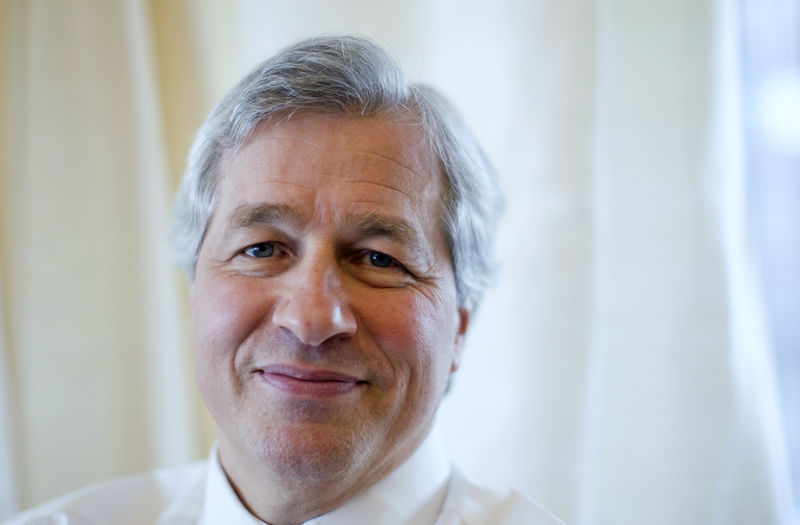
x=260, y=250
x=381, y=260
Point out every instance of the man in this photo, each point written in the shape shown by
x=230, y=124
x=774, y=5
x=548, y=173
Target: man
x=336, y=223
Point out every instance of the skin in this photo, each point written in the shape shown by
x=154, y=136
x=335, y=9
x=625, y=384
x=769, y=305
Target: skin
x=324, y=310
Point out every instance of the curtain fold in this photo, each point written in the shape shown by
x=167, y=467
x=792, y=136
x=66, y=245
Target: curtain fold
x=168, y=366
x=666, y=408
x=618, y=372
x=770, y=77
x=8, y=471
x=100, y=354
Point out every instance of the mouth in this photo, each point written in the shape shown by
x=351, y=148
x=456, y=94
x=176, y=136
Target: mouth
x=297, y=381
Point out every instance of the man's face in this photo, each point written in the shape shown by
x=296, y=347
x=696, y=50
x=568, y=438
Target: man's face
x=324, y=304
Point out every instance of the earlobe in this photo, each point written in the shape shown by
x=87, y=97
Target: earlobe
x=462, y=323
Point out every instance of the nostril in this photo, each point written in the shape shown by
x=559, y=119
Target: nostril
x=315, y=321
x=313, y=303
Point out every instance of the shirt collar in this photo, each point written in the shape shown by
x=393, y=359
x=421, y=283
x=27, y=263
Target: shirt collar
x=222, y=504
x=412, y=494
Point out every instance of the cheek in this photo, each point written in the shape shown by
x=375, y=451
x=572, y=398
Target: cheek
x=420, y=341
x=224, y=313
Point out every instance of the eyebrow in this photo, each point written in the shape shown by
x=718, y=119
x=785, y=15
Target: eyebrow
x=374, y=225
x=246, y=215
x=370, y=225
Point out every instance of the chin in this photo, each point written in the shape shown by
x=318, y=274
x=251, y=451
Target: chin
x=311, y=452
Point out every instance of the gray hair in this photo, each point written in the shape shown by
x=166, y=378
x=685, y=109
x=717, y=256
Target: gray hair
x=352, y=76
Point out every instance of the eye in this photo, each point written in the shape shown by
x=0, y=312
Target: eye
x=380, y=270
x=260, y=250
x=381, y=260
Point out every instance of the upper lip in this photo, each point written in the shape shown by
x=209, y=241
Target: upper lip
x=305, y=374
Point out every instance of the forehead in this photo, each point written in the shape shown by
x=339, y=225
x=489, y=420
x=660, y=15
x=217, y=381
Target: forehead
x=334, y=160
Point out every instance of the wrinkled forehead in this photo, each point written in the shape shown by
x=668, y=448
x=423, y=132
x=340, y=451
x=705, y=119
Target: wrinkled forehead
x=394, y=157
x=398, y=131
x=398, y=136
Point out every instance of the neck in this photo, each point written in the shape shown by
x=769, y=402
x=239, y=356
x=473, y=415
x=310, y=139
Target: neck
x=296, y=495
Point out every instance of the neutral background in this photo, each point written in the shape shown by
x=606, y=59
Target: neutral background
x=622, y=371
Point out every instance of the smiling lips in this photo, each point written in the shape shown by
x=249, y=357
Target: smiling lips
x=308, y=383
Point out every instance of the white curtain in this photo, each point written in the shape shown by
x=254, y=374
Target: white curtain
x=102, y=384
x=618, y=373
x=8, y=490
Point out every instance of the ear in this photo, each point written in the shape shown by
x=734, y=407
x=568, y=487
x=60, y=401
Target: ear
x=462, y=323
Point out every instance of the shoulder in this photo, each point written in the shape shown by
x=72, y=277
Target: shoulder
x=141, y=498
x=470, y=504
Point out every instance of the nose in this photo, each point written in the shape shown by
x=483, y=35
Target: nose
x=313, y=305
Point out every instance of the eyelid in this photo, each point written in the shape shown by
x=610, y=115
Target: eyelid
x=395, y=262
x=279, y=249
x=249, y=248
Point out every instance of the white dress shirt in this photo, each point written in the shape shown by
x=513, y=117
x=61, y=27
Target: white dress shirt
x=422, y=491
